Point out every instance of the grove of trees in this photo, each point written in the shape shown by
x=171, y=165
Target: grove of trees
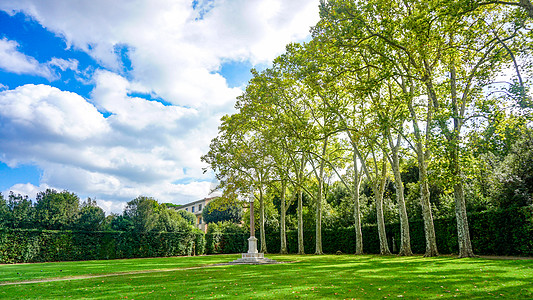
x=53, y=210
x=393, y=111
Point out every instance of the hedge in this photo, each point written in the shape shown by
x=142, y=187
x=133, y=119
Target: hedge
x=18, y=246
x=494, y=232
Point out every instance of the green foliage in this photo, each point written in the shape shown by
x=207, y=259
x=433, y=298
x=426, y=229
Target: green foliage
x=120, y=223
x=56, y=210
x=143, y=213
x=226, y=237
x=189, y=217
x=91, y=217
x=18, y=246
x=514, y=174
x=496, y=232
x=271, y=217
x=214, y=213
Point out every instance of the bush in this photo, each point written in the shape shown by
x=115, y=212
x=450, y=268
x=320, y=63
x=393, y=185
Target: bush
x=226, y=237
x=495, y=232
x=21, y=245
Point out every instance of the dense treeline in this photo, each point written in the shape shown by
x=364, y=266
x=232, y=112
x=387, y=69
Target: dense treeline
x=393, y=111
x=53, y=210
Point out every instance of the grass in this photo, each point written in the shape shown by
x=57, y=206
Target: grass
x=311, y=277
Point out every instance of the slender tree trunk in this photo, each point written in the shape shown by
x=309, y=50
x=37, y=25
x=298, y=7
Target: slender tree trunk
x=262, y=221
x=429, y=229
x=300, y=208
x=318, y=248
x=357, y=209
x=283, y=249
x=405, y=248
x=300, y=223
x=378, y=190
x=463, y=234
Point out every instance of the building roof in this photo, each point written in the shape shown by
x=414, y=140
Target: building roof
x=197, y=202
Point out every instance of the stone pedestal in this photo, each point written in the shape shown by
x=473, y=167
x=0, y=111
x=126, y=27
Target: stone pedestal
x=252, y=245
x=253, y=256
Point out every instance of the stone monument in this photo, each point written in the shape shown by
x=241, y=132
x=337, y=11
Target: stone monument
x=252, y=256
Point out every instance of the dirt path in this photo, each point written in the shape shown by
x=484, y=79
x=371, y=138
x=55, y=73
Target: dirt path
x=494, y=257
x=99, y=275
x=112, y=274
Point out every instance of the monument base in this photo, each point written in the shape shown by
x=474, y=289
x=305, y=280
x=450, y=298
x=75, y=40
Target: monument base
x=253, y=258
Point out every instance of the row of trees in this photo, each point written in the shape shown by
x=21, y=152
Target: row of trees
x=53, y=210
x=385, y=88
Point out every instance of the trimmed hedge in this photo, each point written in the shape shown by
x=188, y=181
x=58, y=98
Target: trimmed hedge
x=495, y=232
x=225, y=243
x=18, y=246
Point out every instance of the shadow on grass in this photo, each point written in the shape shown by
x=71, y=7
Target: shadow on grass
x=344, y=276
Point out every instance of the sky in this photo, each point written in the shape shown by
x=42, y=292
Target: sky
x=116, y=99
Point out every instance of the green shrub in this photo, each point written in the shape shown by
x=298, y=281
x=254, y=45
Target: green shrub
x=495, y=232
x=47, y=245
x=225, y=237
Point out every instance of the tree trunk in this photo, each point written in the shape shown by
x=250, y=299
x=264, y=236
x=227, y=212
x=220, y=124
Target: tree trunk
x=300, y=223
x=378, y=190
x=357, y=209
x=283, y=249
x=463, y=234
x=405, y=248
x=318, y=248
x=262, y=222
x=429, y=229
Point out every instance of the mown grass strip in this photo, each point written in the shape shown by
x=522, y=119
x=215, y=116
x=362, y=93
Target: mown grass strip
x=312, y=277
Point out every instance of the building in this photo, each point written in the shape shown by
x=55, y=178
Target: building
x=196, y=208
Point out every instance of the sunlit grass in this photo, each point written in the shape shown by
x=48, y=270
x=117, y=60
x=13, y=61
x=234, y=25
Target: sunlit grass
x=311, y=277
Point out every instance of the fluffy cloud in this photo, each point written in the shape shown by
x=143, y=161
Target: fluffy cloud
x=140, y=149
x=12, y=60
x=172, y=50
x=117, y=144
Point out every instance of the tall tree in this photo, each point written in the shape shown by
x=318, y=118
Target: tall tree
x=56, y=210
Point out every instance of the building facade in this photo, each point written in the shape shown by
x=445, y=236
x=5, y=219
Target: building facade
x=197, y=208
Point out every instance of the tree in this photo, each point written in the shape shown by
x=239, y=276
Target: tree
x=169, y=220
x=227, y=212
x=121, y=223
x=387, y=31
x=91, y=216
x=5, y=214
x=143, y=212
x=56, y=210
x=188, y=216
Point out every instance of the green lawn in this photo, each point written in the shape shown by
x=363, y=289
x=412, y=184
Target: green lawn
x=312, y=277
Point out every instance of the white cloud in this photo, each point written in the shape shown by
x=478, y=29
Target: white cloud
x=26, y=189
x=39, y=112
x=12, y=60
x=170, y=51
x=63, y=64
x=142, y=147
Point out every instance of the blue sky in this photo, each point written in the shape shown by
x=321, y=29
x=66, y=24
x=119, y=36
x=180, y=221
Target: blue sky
x=115, y=99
